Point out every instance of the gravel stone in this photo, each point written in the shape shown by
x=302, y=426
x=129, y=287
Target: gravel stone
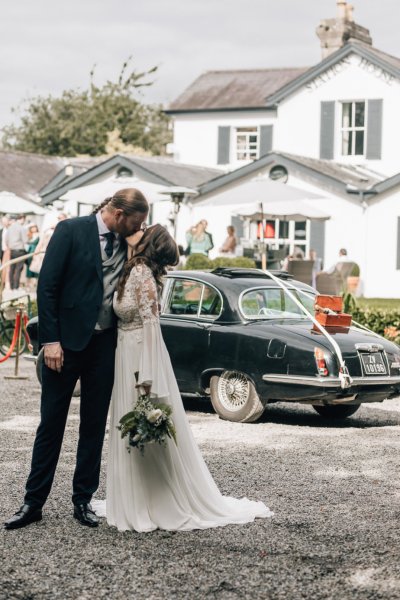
x=334, y=488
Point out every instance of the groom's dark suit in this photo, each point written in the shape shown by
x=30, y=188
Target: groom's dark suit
x=71, y=296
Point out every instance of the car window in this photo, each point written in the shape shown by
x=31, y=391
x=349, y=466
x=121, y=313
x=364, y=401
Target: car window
x=192, y=298
x=267, y=303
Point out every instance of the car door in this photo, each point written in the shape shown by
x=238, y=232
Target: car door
x=188, y=311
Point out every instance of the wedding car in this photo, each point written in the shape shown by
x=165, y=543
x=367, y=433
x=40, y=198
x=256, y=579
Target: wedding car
x=245, y=338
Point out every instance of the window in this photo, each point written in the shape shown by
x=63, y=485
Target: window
x=124, y=172
x=273, y=303
x=279, y=173
x=192, y=298
x=247, y=143
x=353, y=128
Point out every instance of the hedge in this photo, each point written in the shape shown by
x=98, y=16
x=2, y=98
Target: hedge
x=384, y=322
x=201, y=262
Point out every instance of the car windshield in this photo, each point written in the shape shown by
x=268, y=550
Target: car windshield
x=275, y=303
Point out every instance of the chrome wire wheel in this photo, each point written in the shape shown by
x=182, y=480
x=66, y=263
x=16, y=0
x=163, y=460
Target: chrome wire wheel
x=233, y=390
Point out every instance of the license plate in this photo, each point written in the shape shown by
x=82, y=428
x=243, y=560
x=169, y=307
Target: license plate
x=373, y=364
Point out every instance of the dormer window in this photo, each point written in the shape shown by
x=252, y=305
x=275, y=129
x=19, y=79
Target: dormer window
x=353, y=128
x=124, y=172
x=247, y=143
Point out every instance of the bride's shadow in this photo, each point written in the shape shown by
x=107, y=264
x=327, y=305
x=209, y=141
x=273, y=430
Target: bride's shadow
x=304, y=416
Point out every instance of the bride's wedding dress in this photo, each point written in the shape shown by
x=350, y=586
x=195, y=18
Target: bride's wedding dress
x=169, y=487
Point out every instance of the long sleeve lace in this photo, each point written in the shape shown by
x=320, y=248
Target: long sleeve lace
x=151, y=369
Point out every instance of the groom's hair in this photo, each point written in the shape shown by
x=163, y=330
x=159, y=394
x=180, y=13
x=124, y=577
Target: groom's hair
x=130, y=200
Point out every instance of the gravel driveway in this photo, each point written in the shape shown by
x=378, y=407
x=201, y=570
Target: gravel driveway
x=334, y=489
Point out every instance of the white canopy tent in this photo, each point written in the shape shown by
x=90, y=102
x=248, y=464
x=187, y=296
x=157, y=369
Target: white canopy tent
x=15, y=205
x=293, y=210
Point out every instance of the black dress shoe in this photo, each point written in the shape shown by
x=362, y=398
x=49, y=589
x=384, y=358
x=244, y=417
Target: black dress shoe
x=85, y=515
x=26, y=515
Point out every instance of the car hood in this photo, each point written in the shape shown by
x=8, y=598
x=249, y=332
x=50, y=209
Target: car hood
x=345, y=337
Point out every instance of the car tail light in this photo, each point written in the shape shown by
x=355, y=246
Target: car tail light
x=321, y=362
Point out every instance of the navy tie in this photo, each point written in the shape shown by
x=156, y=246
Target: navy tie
x=109, y=248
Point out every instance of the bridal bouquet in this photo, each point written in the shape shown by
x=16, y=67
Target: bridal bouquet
x=147, y=423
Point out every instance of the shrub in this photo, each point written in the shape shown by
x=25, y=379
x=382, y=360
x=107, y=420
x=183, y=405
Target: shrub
x=197, y=262
x=355, y=271
x=238, y=261
x=382, y=321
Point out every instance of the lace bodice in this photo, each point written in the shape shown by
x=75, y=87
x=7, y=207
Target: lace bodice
x=139, y=303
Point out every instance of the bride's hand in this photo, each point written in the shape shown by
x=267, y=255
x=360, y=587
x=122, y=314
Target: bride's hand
x=143, y=389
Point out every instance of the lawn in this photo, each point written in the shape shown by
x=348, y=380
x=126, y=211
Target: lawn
x=379, y=303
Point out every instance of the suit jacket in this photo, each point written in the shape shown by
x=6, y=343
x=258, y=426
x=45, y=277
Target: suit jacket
x=70, y=287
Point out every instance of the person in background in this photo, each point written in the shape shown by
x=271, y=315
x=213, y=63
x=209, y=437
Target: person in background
x=16, y=240
x=44, y=239
x=4, y=252
x=317, y=266
x=199, y=240
x=33, y=240
x=343, y=257
x=229, y=246
x=298, y=254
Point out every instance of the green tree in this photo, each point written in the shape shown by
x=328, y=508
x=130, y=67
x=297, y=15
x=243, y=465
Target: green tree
x=81, y=122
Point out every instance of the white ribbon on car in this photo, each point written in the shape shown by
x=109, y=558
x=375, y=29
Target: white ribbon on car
x=344, y=375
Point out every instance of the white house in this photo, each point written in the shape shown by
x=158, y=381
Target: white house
x=332, y=129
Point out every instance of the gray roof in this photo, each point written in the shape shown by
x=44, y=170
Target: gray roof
x=216, y=90
x=156, y=169
x=24, y=174
x=331, y=175
x=265, y=88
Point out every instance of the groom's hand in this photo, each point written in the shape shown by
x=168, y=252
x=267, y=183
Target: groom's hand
x=54, y=356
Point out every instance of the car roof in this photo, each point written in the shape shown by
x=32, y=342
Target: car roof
x=239, y=279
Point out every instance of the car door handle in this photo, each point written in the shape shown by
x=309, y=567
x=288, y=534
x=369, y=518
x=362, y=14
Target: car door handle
x=204, y=325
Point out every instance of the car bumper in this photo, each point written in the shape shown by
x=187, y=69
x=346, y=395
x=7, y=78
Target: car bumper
x=330, y=382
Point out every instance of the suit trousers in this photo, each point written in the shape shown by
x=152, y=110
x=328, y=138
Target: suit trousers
x=16, y=269
x=95, y=367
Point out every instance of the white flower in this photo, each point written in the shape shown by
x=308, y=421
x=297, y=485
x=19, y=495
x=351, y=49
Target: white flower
x=136, y=438
x=154, y=415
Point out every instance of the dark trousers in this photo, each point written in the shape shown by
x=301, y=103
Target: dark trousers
x=16, y=270
x=95, y=366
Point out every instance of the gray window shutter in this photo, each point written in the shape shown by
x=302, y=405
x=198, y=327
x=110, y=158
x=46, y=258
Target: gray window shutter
x=266, y=132
x=374, y=130
x=317, y=238
x=327, y=132
x=224, y=142
x=398, y=244
x=237, y=223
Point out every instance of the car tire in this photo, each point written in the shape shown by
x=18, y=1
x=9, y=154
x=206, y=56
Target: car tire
x=39, y=365
x=234, y=397
x=337, y=411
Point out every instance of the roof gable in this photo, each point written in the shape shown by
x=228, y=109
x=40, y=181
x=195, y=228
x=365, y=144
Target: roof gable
x=384, y=61
x=333, y=176
x=156, y=169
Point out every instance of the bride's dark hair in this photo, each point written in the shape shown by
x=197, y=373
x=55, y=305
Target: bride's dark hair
x=157, y=249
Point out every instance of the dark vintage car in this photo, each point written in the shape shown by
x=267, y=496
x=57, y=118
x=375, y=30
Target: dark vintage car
x=237, y=337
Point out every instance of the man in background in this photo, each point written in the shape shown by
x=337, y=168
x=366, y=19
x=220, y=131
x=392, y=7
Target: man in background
x=16, y=239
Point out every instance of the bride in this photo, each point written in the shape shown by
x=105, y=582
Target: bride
x=168, y=487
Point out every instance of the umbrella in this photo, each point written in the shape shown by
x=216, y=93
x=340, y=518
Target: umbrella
x=15, y=205
x=256, y=190
x=95, y=193
x=286, y=209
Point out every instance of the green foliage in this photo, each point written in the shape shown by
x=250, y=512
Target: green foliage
x=201, y=262
x=349, y=303
x=81, y=122
x=238, y=261
x=355, y=271
x=379, y=303
x=385, y=322
x=197, y=262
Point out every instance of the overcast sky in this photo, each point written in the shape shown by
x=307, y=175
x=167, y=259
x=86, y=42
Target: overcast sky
x=47, y=46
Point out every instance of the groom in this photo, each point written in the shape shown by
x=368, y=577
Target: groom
x=77, y=328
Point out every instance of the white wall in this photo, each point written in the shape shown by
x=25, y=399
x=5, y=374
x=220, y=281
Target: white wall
x=196, y=135
x=297, y=121
x=297, y=129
